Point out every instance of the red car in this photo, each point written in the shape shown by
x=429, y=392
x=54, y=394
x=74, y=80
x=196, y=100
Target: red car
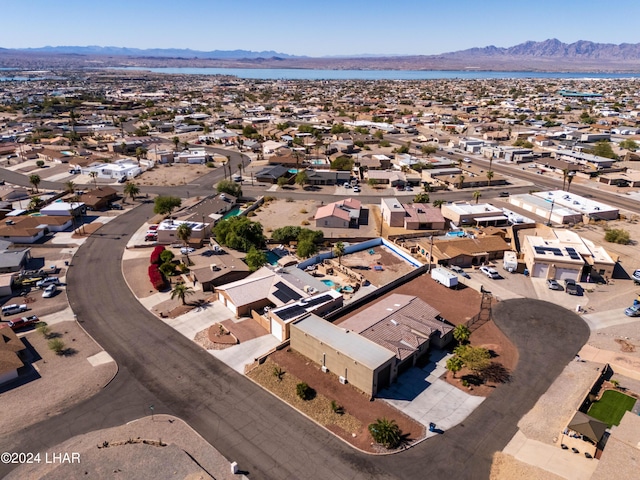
x=23, y=322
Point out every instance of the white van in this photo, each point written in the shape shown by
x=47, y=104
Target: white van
x=13, y=309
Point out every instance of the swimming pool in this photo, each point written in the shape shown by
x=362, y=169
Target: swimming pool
x=316, y=161
x=272, y=258
x=328, y=283
x=293, y=170
x=231, y=213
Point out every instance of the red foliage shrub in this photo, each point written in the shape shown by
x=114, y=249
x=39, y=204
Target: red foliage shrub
x=155, y=255
x=156, y=277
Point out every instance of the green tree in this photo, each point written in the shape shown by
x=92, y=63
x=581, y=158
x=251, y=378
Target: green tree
x=475, y=359
x=181, y=291
x=421, y=198
x=489, y=177
x=461, y=182
x=69, y=187
x=164, y=205
x=229, y=187
x=35, y=181
x=629, y=145
x=167, y=256
x=386, y=433
x=255, y=259
x=476, y=195
x=429, y=149
x=94, y=178
x=183, y=232
x=176, y=142
x=438, y=202
x=307, y=248
x=454, y=365
x=240, y=233
x=302, y=178
x=617, y=235
x=462, y=334
x=131, y=190
x=141, y=152
x=35, y=203
x=40, y=163
x=372, y=182
x=338, y=251
x=603, y=149
x=344, y=164
x=282, y=181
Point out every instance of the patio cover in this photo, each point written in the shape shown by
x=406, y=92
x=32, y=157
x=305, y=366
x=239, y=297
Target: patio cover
x=588, y=426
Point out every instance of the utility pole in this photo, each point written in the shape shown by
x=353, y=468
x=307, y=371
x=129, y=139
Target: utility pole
x=430, y=252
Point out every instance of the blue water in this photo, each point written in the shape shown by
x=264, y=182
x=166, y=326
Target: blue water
x=231, y=213
x=328, y=283
x=272, y=258
x=458, y=233
x=293, y=170
x=312, y=74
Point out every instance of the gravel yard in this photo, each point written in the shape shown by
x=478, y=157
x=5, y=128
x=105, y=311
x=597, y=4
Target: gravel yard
x=58, y=382
x=359, y=412
x=546, y=420
x=172, y=174
x=505, y=467
x=162, y=447
x=619, y=338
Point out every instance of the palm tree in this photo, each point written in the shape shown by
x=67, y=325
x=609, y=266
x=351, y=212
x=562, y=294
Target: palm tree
x=141, y=152
x=94, y=177
x=454, y=365
x=476, y=196
x=338, y=251
x=176, y=141
x=35, y=203
x=461, y=333
x=35, y=181
x=460, y=182
x=439, y=202
x=69, y=186
x=569, y=180
x=386, y=432
x=565, y=175
x=131, y=190
x=489, y=176
x=181, y=291
x=184, y=233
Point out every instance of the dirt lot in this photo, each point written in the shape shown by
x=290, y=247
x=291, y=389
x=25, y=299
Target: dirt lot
x=57, y=382
x=359, y=412
x=172, y=174
x=457, y=306
x=136, y=274
x=280, y=213
x=393, y=266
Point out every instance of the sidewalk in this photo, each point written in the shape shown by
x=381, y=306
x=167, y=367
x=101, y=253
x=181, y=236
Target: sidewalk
x=623, y=364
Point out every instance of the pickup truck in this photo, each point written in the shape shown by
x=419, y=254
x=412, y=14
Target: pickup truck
x=23, y=322
x=571, y=287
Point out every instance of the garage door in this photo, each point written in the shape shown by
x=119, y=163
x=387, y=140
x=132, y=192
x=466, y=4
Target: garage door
x=276, y=330
x=566, y=274
x=540, y=270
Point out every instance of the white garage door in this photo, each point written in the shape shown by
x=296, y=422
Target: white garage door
x=276, y=330
x=566, y=274
x=540, y=270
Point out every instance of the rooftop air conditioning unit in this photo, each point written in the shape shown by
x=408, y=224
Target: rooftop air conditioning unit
x=324, y=369
x=342, y=380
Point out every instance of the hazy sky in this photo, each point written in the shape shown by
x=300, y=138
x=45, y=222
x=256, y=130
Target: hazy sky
x=315, y=28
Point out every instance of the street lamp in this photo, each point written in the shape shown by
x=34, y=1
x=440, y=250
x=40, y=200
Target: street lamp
x=151, y=407
x=553, y=202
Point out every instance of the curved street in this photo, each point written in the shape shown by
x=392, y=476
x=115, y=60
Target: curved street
x=268, y=439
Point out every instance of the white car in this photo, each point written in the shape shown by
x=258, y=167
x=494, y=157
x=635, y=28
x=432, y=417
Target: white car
x=490, y=272
x=636, y=276
x=45, y=282
x=50, y=291
x=356, y=189
x=187, y=250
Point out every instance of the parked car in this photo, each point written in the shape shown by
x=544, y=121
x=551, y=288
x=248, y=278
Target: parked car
x=75, y=171
x=187, y=250
x=459, y=271
x=14, y=308
x=153, y=228
x=503, y=194
x=23, y=322
x=116, y=206
x=45, y=282
x=633, y=311
x=571, y=287
x=408, y=188
x=553, y=284
x=490, y=272
x=636, y=276
x=50, y=291
x=346, y=185
x=122, y=179
x=356, y=189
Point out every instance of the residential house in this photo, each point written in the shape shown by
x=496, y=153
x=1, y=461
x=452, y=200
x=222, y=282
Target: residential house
x=223, y=269
x=12, y=261
x=168, y=232
x=99, y=198
x=462, y=214
x=11, y=349
x=271, y=174
x=464, y=252
x=341, y=214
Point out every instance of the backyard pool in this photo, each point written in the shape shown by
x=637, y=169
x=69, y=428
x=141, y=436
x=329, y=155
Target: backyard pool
x=293, y=170
x=231, y=213
x=328, y=283
x=272, y=257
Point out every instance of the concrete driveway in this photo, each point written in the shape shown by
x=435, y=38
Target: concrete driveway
x=609, y=318
x=422, y=395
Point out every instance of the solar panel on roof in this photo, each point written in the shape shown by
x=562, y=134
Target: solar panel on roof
x=312, y=302
x=285, y=293
x=291, y=312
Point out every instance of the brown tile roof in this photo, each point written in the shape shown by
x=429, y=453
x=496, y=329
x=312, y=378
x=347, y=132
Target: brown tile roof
x=470, y=246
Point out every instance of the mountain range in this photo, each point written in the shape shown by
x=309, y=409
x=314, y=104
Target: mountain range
x=548, y=55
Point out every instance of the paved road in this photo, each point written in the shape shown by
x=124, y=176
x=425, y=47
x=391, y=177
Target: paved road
x=248, y=425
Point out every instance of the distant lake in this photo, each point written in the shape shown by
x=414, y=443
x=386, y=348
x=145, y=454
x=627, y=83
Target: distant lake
x=313, y=74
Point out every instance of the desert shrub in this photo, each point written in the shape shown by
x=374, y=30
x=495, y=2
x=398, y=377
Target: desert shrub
x=40, y=163
x=56, y=345
x=155, y=258
x=617, y=235
x=303, y=391
x=156, y=277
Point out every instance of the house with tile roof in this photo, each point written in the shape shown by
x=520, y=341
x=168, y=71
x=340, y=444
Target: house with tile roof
x=465, y=251
x=11, y=347
x=342, y=214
